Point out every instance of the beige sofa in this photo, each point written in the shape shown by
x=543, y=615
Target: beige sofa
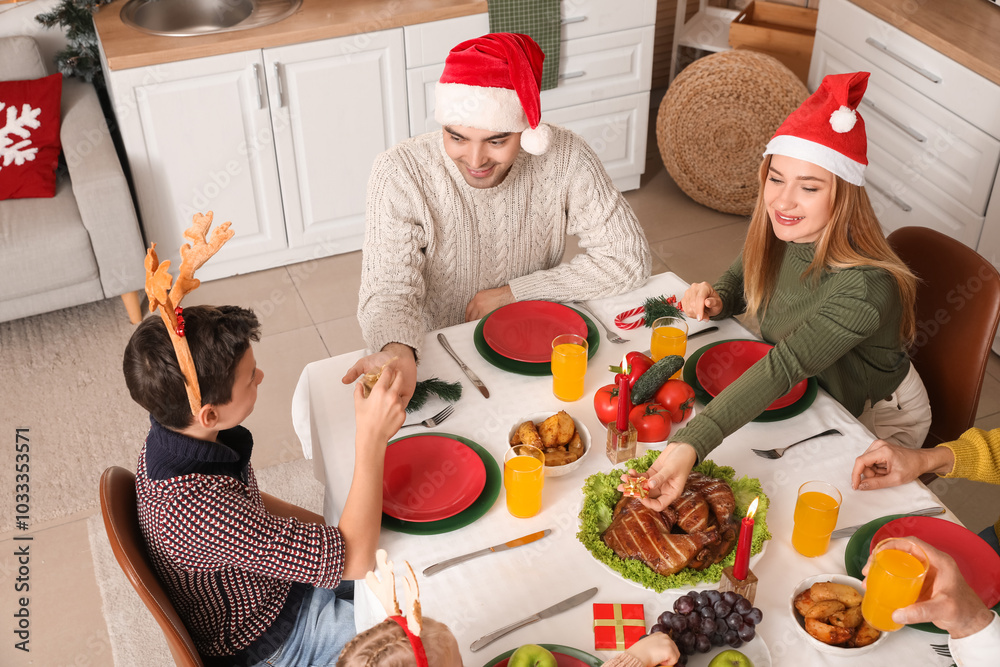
x=84, y=244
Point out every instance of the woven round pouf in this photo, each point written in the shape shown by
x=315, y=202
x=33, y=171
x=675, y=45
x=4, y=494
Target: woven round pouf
x=715, y=121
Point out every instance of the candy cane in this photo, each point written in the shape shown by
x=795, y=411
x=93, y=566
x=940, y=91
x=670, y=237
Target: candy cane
x=621, y=323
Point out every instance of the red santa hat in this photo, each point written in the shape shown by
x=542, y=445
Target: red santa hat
x=492, y=83
x=827, y=130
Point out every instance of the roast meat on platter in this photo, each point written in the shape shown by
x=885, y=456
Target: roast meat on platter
x=697, y=530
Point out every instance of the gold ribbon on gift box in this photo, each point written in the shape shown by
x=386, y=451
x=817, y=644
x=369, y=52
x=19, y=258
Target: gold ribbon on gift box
x=619, y=623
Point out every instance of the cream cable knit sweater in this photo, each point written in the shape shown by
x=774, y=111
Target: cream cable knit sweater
x=432, y=241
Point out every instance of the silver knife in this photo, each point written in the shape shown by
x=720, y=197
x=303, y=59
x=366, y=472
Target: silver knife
x=850, y=530
x=468, y=371
x=521, y=541
x=705, y=330
x=545, y=613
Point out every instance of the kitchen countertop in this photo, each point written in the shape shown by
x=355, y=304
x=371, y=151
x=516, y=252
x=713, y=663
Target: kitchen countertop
x=967, y=31
x=125, y=47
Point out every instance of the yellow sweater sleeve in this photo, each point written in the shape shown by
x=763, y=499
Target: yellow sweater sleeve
x=977, y=455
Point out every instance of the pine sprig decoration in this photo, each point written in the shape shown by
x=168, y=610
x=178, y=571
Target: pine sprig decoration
x=449, y=391
x=80, y=58
x=656, y=307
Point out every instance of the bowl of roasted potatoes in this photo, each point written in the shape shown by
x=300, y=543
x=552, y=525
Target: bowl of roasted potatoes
x=827, y=612
x=564, y=439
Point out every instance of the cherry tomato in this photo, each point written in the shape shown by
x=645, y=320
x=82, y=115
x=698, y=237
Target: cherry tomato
x=606, y=403
x=638, y=363
x=677, y=396
x=652, y=421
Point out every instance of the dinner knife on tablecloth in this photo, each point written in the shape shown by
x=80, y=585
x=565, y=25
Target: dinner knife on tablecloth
x=468, y=371
x=521, y=541
x=569, y=603
x=850, y=530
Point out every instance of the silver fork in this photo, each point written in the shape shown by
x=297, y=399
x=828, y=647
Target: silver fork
x=941, y=649
x=431, y=422
x=780, y=451
x=610, y=336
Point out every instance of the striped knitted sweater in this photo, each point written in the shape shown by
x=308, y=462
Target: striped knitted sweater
x=843, y=329
x=235, y=573
x=977, y=457
x=432, y=241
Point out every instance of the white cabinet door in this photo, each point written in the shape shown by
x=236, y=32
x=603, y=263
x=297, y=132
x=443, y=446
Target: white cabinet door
x=198, y=138
x=336, y=104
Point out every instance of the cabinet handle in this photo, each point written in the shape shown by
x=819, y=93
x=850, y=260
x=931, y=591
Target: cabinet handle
x=573, y=19
x=894, y=199
x=892, y=54
x=281, y=86
x=572, y=75
x=898, y=123
x=260, y=88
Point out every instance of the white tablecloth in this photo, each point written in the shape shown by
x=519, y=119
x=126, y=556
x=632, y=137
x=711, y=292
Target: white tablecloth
x=484, y=594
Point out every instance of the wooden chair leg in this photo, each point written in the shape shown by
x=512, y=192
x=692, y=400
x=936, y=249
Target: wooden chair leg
x=134, y=306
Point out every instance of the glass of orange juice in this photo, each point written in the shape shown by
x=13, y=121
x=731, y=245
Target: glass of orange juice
x=816, y=513
x=896, y=575
x=669, y=337
x=523, y=478
x=569, y=366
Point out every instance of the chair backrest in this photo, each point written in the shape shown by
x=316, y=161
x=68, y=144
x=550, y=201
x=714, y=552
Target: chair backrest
x=958, y=307
x=121, y=521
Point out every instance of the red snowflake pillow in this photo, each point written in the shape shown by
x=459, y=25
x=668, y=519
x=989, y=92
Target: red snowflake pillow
x=29, y=137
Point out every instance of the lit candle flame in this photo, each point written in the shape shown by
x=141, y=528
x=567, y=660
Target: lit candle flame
x=624, y=366
x=753, y=508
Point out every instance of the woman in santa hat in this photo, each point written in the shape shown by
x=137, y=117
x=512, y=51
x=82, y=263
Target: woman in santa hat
x=826, y=288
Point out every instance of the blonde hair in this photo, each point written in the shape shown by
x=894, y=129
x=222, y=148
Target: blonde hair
x=386, y=645
x=852, y=238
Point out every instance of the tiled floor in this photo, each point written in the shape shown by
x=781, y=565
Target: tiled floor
x=308, y=313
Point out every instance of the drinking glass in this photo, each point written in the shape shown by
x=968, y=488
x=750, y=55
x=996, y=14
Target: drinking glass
x=894, y=580
x=523, y=478
x=669, y=337
x=816, y=513
x=569, y=366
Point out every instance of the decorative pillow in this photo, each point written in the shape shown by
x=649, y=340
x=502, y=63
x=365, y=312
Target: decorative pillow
x=29, y=137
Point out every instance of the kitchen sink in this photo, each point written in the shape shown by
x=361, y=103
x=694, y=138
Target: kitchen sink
x=184, y=18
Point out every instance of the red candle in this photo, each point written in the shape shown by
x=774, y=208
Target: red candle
x=624, y=403
x=742, y=564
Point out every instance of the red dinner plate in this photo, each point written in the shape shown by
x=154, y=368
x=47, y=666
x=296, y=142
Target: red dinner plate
x=979, y=564
x=524, y=330
x=430, y=478
x=719, y=367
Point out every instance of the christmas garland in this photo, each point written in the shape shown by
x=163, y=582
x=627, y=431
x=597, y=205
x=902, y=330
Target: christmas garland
x=449, y=391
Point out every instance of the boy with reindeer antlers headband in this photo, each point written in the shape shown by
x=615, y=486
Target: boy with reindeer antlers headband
x=418, y=641
x=252, y=587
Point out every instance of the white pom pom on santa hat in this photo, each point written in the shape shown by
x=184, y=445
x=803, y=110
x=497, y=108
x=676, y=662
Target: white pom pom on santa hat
x=843, y=119
x=536, y=140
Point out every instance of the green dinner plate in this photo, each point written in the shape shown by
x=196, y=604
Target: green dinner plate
x=858, y=549
x=524, y=367
x=583, y=657
x=787, y=412
x=478, y=508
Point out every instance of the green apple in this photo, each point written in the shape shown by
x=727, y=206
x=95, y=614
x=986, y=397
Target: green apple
x=532, y=655
x=730, y=658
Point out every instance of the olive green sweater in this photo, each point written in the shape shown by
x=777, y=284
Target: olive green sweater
x=843, y=329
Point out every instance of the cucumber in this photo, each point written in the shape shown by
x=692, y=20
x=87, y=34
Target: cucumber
x=654, y=378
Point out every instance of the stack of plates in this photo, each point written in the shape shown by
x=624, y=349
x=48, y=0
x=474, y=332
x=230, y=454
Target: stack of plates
x=518, y=337
x=436, y=482
x=736, y=357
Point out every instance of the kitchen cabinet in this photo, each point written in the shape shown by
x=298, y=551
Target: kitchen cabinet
x=277, y=140
x=605, y=73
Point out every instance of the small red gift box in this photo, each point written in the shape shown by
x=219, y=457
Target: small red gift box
x=617, y=626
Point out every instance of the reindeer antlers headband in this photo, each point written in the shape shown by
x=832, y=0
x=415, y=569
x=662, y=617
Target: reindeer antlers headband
x=158, y=279
x=385, y=591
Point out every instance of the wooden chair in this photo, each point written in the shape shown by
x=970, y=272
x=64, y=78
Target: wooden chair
x=958, y=308
x=121, y=521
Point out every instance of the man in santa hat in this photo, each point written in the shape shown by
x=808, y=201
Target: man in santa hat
x=475, y=216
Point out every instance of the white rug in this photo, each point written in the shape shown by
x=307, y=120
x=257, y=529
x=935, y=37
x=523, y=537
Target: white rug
x=135, y=637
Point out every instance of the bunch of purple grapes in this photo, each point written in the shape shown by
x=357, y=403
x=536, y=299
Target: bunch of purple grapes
x=703, y=619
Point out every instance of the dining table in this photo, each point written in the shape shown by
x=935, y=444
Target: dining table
x=484, y=594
